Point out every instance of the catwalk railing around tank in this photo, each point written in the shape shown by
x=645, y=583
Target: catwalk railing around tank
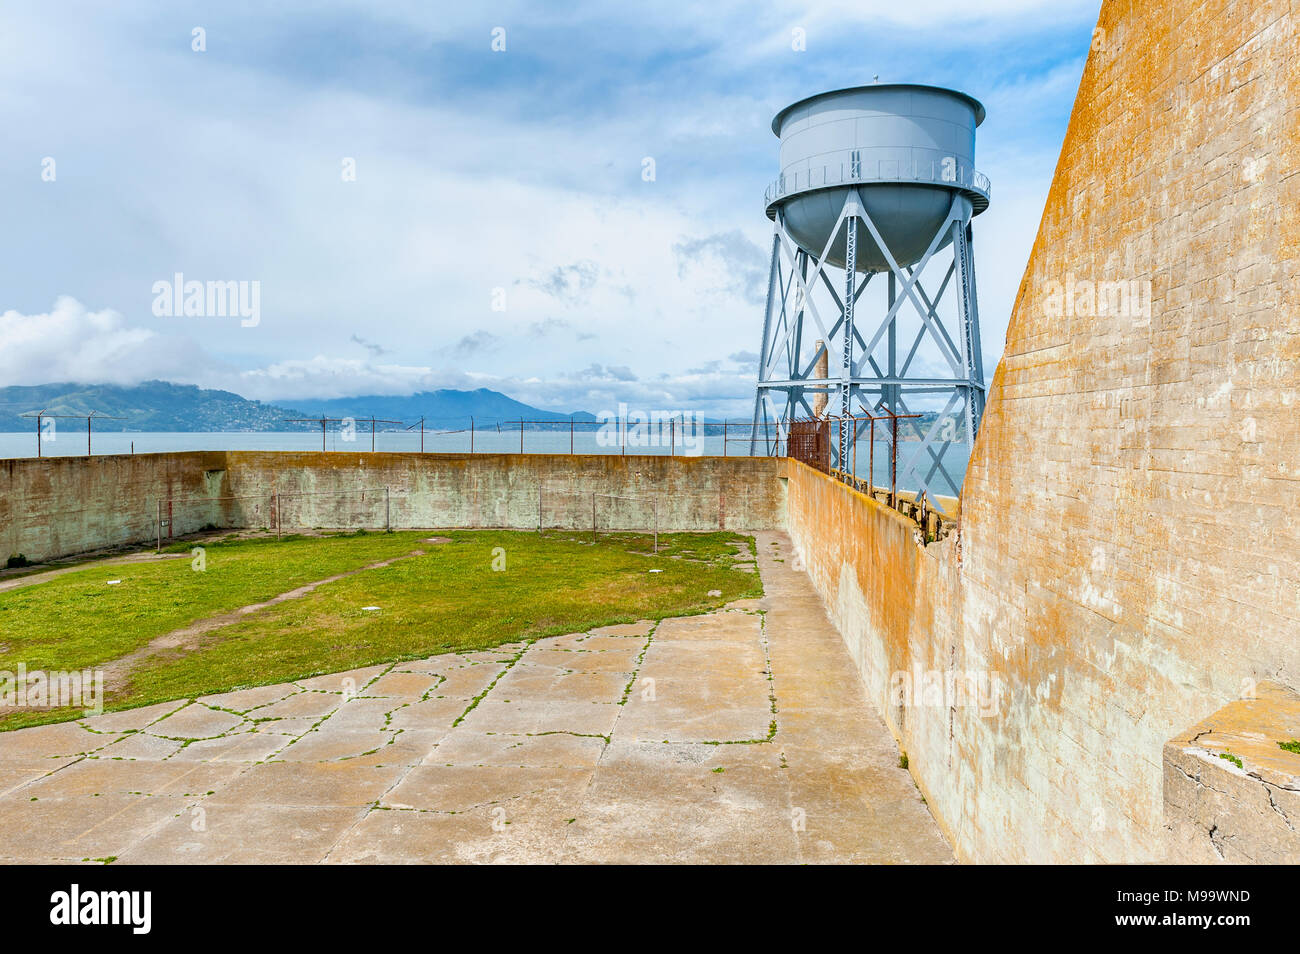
x=945, y=171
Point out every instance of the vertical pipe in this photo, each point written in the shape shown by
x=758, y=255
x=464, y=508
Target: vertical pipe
x=276, y=497
x=821, y=368
x=539, y=506
x=656, y=503
x=593, y=518
x=158, y=549
x=388, y=512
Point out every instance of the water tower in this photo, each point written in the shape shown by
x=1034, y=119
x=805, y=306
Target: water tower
x=876, y=180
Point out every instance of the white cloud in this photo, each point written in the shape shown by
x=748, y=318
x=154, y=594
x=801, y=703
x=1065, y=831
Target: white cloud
x=71, y=343
x=226, y=166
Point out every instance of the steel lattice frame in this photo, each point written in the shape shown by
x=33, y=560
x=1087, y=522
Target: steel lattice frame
x=785, y=376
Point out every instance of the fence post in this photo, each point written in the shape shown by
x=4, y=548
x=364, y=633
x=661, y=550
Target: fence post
x=724, y=437
x=871, y=464
x=471, y=435
x=521, y=435
x=570, y=437
x=672, y=436
x=893, y=459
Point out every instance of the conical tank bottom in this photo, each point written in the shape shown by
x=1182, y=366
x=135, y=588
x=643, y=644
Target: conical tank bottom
x=907, y=217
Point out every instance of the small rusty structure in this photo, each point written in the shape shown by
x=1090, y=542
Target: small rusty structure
x=810, y=441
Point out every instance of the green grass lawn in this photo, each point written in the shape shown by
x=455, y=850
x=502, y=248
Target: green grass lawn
x=448, y=599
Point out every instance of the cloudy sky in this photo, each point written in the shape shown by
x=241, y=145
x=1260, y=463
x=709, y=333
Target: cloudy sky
x=482, y=177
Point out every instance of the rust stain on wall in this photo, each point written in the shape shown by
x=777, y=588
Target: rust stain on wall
x=1130, y=541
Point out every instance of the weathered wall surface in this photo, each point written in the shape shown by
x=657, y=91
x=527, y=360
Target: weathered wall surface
x=502, y=490
x=1129, y=557
x=59, y=506
x=1232, y=793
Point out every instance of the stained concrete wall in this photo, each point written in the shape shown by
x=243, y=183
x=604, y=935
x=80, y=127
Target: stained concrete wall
x=1232, y=793
x=1129, y=555
x=59, y=506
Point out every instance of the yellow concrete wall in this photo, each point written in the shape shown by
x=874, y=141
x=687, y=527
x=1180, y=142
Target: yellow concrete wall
x=1129, y=556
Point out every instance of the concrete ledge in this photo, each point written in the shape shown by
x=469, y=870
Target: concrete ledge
x=1219, y=812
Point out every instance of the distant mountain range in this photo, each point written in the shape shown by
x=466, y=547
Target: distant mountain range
x=440, y=409
x=161, y=406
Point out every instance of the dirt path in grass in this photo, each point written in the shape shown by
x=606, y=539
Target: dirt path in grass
x=44, y=576
x=191, y=637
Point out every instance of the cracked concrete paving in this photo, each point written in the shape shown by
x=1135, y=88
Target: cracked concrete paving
x=740, y=736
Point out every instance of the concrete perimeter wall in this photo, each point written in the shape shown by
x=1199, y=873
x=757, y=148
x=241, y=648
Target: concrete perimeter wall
x=57, y=506
x=1129, y=555
x=1128, y=560
x=60, y=506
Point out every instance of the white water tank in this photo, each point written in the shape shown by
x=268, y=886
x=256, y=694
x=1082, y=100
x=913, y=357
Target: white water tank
x=907, y=149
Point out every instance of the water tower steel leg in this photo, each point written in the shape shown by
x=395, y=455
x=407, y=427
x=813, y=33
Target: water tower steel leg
x=782, y=365
x=972, y=369
x=846, y=371
x=773, y=277
x=795, y=339
x=796, y=259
